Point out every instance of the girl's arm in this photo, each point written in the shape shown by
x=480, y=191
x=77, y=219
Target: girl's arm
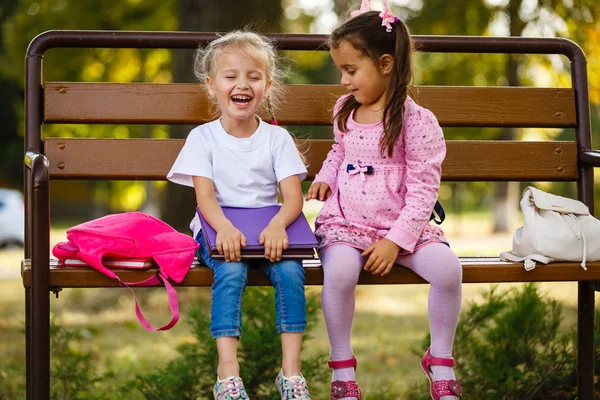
x=425, y=150
x=229, y=239
x=274, y=236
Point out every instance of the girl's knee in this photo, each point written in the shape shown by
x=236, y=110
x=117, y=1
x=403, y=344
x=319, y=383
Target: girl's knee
x=449, y=273
x=341, y=267
x=292, y=268
x=231, y=273
x=340, y=279
x=287, y=271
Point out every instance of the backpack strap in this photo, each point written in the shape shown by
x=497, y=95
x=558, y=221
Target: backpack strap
x=438, y=211
x=171, y=292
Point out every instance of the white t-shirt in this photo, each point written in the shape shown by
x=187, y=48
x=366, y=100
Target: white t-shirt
x=245, y=171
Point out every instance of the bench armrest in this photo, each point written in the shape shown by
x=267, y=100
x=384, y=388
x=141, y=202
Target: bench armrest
x=36, y=161
x=37, y=214
x=590, y=157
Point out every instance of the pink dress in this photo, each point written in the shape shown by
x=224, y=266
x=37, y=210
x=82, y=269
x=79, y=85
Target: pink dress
x=376, y=196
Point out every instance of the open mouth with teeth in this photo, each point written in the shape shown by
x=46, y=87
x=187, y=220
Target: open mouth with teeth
x=241, y=99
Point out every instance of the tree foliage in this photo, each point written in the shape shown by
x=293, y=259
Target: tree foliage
x=22, y=20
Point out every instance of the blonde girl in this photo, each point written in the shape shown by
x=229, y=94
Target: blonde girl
x=238, y=160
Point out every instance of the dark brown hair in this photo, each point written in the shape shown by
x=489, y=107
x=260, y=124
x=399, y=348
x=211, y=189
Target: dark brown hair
x=366, y=34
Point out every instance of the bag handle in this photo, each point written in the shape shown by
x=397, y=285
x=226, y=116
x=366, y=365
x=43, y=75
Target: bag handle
x=173, y=301
x=552, y=202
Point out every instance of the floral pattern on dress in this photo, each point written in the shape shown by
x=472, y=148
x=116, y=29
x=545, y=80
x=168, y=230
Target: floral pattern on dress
x=361, y=237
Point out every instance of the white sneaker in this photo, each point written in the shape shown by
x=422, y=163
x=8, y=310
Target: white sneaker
x=292, y=388
x=231, y=388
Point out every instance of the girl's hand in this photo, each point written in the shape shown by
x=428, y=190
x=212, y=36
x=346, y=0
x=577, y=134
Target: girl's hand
x=275, y=239
x=230, y=242
x=382, y=255
x=319, y=191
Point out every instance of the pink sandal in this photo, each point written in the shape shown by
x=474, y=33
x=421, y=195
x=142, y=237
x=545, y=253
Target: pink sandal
x=341, y=389
x=441, y=388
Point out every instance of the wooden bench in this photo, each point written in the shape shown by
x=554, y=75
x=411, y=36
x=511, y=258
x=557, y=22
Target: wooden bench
x=49, y=159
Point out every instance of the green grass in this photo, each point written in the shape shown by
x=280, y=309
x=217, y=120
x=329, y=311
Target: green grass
x=390, y=321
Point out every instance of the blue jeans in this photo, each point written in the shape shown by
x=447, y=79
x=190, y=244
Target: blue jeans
x=230, y=280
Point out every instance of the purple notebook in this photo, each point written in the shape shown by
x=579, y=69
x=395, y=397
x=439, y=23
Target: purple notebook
x=252, y=221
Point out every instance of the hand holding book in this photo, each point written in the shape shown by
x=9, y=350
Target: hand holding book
x=275, y=239
x=230, y=242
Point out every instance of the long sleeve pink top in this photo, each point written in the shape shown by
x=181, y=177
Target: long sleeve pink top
x=376, y=196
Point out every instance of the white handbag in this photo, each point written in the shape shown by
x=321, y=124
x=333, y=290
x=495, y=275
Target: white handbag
x=555, y=229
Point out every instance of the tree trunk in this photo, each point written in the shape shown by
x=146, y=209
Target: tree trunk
x=506, y=194
x=210, y=16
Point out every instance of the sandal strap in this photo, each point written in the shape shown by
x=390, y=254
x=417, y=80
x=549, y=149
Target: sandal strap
x=445, y=362
x=343, y=363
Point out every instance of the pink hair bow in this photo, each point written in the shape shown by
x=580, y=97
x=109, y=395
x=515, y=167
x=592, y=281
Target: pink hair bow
x=365, y=6
x=387, y=18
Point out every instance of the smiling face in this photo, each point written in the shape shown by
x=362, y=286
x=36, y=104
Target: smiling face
x=366, y=80
x=239, y=83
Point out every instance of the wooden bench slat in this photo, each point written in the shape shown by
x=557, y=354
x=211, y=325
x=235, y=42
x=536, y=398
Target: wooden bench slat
x=137, y=103
x=465, y=160
x=475, y=270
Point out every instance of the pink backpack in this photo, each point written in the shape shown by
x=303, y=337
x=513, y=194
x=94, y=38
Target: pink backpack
x=133, y=235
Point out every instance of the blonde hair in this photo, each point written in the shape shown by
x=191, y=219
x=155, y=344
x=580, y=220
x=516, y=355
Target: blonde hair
x=252, y=44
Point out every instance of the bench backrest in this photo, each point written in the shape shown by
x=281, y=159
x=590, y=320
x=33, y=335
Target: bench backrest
x=150, y=159
x=307, y=105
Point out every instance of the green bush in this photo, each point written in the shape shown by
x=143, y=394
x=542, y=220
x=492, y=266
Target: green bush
x=74, y=369
x=192, y=374
x=511, y=347
x=78, y=371
x=74, y=372
x=12, y=373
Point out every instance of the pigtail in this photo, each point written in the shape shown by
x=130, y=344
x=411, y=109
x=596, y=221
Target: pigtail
x=270, y=110
x=393, y=115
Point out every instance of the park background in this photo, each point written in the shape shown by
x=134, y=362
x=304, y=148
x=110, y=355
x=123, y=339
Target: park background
x=391, y=321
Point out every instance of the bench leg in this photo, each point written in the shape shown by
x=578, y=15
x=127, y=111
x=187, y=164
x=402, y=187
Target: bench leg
x=585, y=335
x=39, y=342
x=28, y=362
